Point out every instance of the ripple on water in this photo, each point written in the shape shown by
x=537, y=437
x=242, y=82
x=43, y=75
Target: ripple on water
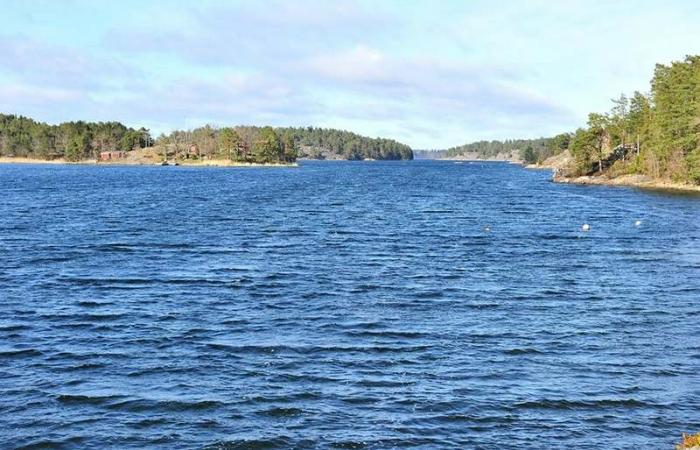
x=343, y=305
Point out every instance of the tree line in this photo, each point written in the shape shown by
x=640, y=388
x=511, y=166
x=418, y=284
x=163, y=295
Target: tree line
x=530, y=150
x=655, y=134
x=327, y=143
x=238, y=144
x=267, y=144
x=74, y=141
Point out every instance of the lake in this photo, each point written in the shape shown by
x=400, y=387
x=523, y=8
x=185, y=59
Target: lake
x=369, y=305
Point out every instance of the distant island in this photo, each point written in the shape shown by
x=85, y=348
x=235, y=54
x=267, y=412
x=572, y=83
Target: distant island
x=25, y=140
x=328, y=143
x=514, y=150
x=648, y=140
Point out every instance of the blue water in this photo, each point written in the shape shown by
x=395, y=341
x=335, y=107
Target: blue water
x=344, y=305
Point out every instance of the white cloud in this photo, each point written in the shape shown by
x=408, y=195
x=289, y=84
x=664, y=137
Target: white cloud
x=359, y=64
x=36, y=95
x=432, y=75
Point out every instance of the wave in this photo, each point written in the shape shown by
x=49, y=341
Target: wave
x=387, y=334
x=522, y=351
x=93, y=304
x=87, y=399
x=20, y=353
x=583, y=404
x=280, y=412
x=42, y=444
x=14, y=327
x=144, y=405
x=314, y=349
x=253, y=444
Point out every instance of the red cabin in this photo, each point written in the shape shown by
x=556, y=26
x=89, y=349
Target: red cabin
x=109, y=156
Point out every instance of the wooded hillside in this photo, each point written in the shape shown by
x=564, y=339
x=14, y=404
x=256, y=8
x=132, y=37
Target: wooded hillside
x=75, y=141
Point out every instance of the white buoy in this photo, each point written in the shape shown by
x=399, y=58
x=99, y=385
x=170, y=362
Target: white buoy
x=585, y=227
x=487, y=228
x=638, y=223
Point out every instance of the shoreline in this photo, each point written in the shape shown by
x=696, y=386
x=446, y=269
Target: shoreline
x=8, y=160
x=127, y=162
x=468, y=159
x=632, y=180
x=225, y=163
x=636, y=181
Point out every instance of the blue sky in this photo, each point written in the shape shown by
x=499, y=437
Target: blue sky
x=430, y=74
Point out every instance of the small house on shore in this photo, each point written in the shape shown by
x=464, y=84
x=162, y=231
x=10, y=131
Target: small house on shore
x=110, y=156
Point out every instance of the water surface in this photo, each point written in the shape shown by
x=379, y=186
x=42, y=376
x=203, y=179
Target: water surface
x=344, y=305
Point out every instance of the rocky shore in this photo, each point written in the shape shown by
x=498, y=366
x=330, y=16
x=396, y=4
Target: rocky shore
x=640, y=181
x=559, y=163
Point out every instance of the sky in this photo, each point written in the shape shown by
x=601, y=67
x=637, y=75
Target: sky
x=431, y=74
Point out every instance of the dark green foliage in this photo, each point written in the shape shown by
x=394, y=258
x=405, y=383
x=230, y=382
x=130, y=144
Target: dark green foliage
x=322, y=143
x=289, y=149
x=531, y=150
x=74, y=141
x=659, y=134
x=559, y=143
x=656, y=135
x=78, y=147
x=584, y=147
x=529, y=155
x=271, y=145
x=267, y=147
x=229, y=144
x=241, y=144
x=675, y=121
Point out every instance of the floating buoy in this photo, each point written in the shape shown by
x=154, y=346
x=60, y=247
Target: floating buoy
x=638, y=223
x=487, y=228
x=585, y=227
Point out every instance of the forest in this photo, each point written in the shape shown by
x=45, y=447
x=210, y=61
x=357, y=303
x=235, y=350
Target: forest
x=237, y=144
x=530, y=150
x=325, y=143
x=76, y=141
x=72, y=141
x=303, y=142
x=655, y=134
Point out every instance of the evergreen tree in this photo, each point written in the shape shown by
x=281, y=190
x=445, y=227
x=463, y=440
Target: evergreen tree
x=529, y=155
x=229, y=142
x=267, y=148
x=289, y=148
